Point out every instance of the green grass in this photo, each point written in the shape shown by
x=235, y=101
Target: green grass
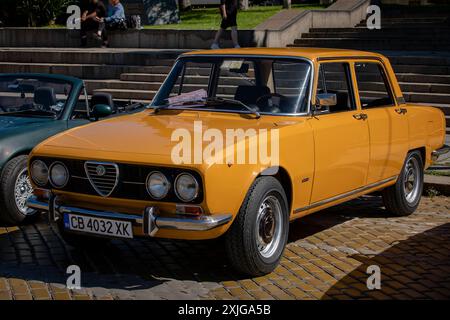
x=209, y=18
x=442, y=173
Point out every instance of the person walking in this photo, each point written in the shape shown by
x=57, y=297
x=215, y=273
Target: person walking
x=228, y=10
x=115, y=20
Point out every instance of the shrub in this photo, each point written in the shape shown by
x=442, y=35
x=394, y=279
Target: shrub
x=32, y=13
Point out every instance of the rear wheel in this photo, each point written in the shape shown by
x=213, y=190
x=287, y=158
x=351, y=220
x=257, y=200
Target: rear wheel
x=258, y=236
x=15, y=188
x=404, y=196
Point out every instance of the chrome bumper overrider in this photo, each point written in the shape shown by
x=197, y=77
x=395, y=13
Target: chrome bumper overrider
x=439, y=152
x=150, y=221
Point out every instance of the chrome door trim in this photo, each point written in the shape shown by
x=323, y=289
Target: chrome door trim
x=345, y=195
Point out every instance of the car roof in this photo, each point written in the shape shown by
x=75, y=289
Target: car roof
x=59, y=77
x=309, y=53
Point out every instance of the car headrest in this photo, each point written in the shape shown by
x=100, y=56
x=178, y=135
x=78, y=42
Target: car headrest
x=45, y=96
x=102, y=98
x=249, y=94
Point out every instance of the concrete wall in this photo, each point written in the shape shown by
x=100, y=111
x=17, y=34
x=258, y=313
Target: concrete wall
x=146, y=38
x=342, y=14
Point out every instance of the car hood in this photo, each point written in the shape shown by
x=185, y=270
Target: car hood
x=146, y=133
x=9, y=122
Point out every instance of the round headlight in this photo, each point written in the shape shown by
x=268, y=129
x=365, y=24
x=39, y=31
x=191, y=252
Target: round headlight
x=186, y=187
x=59, y=175
x=157, y=185
x=39, y=172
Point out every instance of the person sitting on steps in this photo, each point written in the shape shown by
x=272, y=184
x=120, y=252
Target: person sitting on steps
x=114, y=21
x=89, y=22
x=228, y=10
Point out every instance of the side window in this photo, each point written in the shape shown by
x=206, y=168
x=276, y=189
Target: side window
x=372, y=84
x=335, y=78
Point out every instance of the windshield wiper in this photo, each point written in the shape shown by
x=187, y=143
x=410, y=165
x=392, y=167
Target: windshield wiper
x=181, y=104
x=236, y=102
x=206, y=101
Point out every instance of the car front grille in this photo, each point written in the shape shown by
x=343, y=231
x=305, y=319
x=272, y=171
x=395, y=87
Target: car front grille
x=103, y=176
x=130, y=184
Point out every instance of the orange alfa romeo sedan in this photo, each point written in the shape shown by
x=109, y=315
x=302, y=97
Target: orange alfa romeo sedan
x=237, y=143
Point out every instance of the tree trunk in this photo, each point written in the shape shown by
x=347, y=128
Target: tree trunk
x=287, y=4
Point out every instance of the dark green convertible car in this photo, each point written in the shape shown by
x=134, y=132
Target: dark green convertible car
x=34, y=107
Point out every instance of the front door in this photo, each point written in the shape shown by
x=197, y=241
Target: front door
x=341, y=137
x=388, y=123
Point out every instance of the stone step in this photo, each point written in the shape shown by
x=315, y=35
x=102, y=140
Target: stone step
x=379, y=34
x=143, y=77
x=440, y=98
x=84, y=71
x=140, y=57
x=93, y=85
x=430, y=60
x=372, y=45
x=425, y=78
x=363, y=29
x=140, y=95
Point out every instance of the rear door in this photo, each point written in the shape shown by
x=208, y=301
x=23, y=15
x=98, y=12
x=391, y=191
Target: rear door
x=388, y=123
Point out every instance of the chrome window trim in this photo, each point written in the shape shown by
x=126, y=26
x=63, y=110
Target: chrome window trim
x=93, y=184
x=262, y=56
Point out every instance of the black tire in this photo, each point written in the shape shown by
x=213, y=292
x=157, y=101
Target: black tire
x=82, y=241
x=10, y=213
x=397, y=200
x=241, y=240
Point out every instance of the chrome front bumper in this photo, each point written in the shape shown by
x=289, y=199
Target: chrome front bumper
x=150, y=221
x=439, y=152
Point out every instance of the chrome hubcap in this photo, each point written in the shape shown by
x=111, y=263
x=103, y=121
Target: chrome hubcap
x=412, y=180
x=269, y=226
x=22, y=191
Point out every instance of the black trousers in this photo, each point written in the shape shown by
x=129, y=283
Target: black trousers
x=110, y=26
x=87, y=26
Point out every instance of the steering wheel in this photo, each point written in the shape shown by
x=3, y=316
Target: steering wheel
x=271, y=107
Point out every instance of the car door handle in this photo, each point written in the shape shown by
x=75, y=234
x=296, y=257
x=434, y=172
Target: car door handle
x=360, y=116
x=401, y=110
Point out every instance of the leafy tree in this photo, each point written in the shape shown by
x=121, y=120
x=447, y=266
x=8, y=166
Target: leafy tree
x=32, y=13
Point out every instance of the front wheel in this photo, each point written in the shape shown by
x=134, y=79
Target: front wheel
x=15, y=188
x=258, y=236
x=404, y=196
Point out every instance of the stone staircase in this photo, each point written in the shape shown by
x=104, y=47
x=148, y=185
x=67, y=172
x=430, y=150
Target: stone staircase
x=417, y=42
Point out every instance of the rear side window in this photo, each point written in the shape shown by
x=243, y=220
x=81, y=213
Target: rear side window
x=373, y=87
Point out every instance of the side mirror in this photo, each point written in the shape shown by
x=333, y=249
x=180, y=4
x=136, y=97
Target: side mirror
x=324, y=101
x=101, y=111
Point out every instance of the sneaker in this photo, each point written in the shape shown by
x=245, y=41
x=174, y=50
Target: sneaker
x=215, y=46
x=237, y=46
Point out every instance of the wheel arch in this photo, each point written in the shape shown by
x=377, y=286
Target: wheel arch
x=282, y=175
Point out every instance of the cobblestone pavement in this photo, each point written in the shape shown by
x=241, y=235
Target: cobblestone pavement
x=326, y=258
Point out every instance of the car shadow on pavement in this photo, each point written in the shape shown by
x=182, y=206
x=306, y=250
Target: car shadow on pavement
x=415, y=268
x=36, y=252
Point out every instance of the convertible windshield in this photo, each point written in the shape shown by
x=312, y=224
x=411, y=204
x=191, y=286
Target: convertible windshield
x=33, y=97
x=258, y=85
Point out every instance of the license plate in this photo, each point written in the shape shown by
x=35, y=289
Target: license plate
x=101, y=226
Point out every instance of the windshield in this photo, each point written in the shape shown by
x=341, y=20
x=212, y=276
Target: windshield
x=33, y=97
x=247, y=84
